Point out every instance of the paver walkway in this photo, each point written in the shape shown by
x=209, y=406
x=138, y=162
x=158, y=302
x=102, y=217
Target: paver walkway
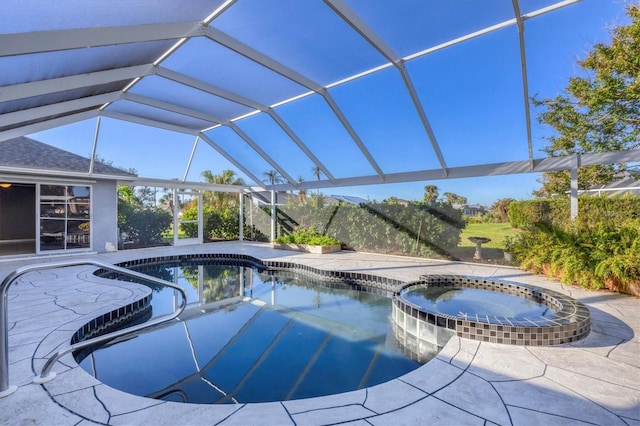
x=593, y=381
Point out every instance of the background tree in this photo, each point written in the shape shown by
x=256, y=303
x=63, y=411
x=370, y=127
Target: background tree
x=138, y=221
x=166, y=199
x=218, y=199
x=597, y=112
x=430, y=193
x=317, y=172
x=302, y=193
x=500, y=210
x=452, y=198
x=273, y=177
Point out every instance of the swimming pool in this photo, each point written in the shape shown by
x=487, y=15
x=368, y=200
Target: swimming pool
x=250, y=334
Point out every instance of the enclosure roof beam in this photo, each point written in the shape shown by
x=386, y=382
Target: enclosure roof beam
x=61, y=84
x=262, y=153
x=275, y=66
x=207, y=88
x=47, y=124
x=231, y=159
x=82, y=38
x=167, y=106
x=186, y=185
x=285, y=127
x=495, y=169
x=149, y=122
x=213, y=119
x=525, y=80
x=233, y=97
x=11, y=119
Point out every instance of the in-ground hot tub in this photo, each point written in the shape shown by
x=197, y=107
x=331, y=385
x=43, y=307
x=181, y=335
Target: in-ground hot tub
x=438, y=307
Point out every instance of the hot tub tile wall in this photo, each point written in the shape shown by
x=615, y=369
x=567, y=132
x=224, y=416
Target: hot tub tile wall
x=570, y=323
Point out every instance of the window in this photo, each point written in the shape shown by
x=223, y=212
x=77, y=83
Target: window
x=65, y=217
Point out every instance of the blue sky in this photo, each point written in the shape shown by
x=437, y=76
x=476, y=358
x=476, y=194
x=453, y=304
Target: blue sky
x=471, y=93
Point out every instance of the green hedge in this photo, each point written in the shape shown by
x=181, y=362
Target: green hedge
x=601, y=249
x=143, y=225
x=430, y=230
x=421, y=229
x=593, y=257
x=591, y=211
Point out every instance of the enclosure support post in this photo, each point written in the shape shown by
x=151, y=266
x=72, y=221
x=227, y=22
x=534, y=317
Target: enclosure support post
x=241, y=227
x=251, y=215
x=92, y=161
x=176, y=209
x=574, y=188
x=273, y=215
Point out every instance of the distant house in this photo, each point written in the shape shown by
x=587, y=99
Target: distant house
x=473, y=209
x=50, y=203
x=629, y=182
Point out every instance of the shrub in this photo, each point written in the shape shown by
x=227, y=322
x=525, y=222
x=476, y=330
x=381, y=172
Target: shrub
x=218, y=224
x=623, y=209
x=307, y=236
x=591, y=254
x=145, y=226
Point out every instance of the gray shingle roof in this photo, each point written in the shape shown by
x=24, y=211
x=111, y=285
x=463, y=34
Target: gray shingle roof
x=30, y=153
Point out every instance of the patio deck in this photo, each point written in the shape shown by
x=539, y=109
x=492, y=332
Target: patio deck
x=593, y=381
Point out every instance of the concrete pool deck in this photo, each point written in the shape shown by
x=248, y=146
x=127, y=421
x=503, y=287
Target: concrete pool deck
x=592, y=381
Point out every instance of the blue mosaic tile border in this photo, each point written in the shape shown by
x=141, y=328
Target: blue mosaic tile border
x=334, y=279
x=140, y=311
x=571, y=322
x=126, y=316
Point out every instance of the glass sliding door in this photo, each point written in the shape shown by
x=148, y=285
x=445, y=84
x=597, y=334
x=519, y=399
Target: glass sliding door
x=65, y=217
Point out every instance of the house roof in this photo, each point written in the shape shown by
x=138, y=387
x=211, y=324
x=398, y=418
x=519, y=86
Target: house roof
x=629, y=182
x=27, y=153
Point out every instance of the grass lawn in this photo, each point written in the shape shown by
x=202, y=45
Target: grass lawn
x=493, y=251
x=497, y=232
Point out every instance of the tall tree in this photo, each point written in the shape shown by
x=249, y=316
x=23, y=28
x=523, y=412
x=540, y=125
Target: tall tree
x=317, y=172
x=597, y=112
x=302, y=193
x=218, y=199
x=452, y=198
x=273, y=177
x=430, y=193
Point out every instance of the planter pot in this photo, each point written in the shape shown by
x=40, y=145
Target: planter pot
x=307, y=248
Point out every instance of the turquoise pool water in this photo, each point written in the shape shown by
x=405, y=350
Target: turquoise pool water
x=247, y=336
x=471, y=302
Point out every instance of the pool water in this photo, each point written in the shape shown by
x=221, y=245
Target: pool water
x=471, y=302
x=246, y=336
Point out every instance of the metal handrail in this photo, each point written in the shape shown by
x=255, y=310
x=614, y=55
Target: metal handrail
x=46, y=374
